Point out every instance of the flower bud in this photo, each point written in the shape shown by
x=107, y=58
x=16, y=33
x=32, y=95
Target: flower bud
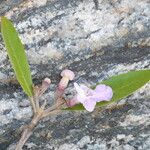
x=66, y=76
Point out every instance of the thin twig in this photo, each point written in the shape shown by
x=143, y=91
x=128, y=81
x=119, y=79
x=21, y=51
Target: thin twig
x=44, y=104
x=41, y=113
x=36, y=99
x=51, y=113
x=33, y=104
x=56, y=110
x=28, y=131
x=54, y=107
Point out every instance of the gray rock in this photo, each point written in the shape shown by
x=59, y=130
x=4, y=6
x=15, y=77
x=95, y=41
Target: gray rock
x=84, y=141
x=68, y=147
x=96, y=39
x=127, y=147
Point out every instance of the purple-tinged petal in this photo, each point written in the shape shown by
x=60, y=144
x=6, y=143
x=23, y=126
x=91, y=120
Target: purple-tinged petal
x=89, y=97
x=100, y=87
x=80, y=98
x=88, y=91
x=80, y=93
x=78, y=89
x=103, y=93
x=89, y=105
x=84, y=88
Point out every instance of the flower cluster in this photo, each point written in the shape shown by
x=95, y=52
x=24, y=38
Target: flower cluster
x=85, y=95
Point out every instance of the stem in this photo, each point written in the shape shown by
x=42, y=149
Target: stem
x=40, y=112
x=46, y=114
x=33, y=104
x=54, y=107
x=28, y=131
x=58, y=95
x=37, y=103
x=44, y=104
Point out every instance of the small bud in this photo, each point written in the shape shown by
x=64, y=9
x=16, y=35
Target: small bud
x=66, y=76
x=45, y=84
x=72, y=102
x=46, y=81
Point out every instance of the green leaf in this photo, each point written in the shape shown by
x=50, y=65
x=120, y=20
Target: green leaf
x=17, y=55
x=122, y=85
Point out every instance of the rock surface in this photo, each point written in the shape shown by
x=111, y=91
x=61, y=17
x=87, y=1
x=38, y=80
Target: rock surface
x=94, y=38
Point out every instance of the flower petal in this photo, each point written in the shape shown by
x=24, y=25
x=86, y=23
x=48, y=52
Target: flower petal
x=80, y=93
x=89, y=105
x=103, y=93
x=78, y=88
x=84, y=88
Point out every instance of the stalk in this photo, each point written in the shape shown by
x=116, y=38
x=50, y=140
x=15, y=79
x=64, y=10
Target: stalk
x=28, y=131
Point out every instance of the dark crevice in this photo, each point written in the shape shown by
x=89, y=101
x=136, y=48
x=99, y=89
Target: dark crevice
x=96, y=3
x=89, y=34
x=100, y=63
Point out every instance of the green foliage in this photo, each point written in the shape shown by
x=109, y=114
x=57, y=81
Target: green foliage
x=17, y=55
x=123, y=85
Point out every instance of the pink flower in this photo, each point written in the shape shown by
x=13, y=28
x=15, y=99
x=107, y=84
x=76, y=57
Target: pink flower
x=89, y=97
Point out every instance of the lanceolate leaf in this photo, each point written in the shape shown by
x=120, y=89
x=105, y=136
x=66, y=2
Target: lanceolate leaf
x=17, y=55
x=123, y=85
